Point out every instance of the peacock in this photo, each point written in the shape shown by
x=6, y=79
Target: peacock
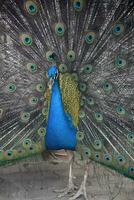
x=67, y=83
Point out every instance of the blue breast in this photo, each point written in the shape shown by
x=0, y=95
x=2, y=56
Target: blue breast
x=60, y=132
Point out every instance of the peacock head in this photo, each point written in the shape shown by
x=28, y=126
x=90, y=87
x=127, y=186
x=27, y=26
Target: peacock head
x=52, y=74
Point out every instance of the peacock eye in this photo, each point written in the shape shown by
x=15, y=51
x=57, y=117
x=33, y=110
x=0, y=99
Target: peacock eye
x=120, y=110
x=32, y=67
x=131, y=170
x=40, y=87
x=25, y=116
x=11, y=87
x=45, y=111
x=31, y=7
x=87, y=69
x=90, y=37
x=98, y=117
x=63, y=68
x=90, y=101
x=42, y=131
x=118, y=29
x=82, y=114
x=32, y=148
x=107, y=87
x=82, y=87
x=130, y=137
x=50, y=56
x=33, y=101
x=120, y=159
x=26, y=39
x=87, y=152
x=59, y=29
x=27, y=143
x=75, y=76
x=78, y=5
x=120, y=63
x=80, y=136
x=97, y=156
x=97, y=144
x=71, y=56
x=9, y=154
x=107, y=157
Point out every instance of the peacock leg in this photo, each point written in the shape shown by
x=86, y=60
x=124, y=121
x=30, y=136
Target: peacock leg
x=71, y=187
x=82, y=190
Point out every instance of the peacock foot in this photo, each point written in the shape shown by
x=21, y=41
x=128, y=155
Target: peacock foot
x=69, y=189
x=80, y=192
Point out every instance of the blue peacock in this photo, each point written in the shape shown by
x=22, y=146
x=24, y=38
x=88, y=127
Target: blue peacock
x=67, y=83
x=60, y=132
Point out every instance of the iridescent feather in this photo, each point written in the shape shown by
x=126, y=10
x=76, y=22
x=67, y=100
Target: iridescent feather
x=92, y=43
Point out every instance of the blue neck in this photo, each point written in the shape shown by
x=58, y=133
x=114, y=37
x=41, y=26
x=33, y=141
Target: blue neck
x=56, y=105
x=60, y=133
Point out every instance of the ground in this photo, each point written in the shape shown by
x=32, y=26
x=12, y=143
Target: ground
x=37, y=181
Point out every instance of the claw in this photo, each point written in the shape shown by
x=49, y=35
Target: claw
x=80, y=192
x=67, y=190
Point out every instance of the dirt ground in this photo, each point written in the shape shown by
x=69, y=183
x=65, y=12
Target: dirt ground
x=36, y=181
